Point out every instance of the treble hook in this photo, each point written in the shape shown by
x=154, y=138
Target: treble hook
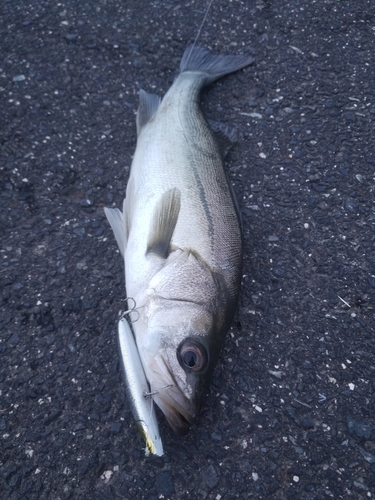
x=156, y=391
x=131, y=309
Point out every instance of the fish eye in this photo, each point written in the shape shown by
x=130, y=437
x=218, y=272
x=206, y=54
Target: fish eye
x=192, y=356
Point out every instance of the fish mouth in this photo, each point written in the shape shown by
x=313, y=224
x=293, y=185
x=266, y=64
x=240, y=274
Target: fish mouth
x=178, y=410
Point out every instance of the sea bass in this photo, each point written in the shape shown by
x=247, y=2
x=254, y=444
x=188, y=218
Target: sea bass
x=180, y=236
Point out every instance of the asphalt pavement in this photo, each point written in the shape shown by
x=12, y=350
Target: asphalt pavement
x=291, y=409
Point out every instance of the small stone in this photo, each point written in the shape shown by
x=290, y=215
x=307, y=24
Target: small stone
x=202, y=493
x=14, y=339
x=276, y=373
x=14, y=480
x=164, y=483
x=32, y=437
x=79, y=427
x=210, y=476
x=244, y=465
x=313, y=201
x=107, y=475
x=80, y=231
x=359, y=428
x=19, y=78
x=115, y=427
x=350, y=206
x=216, y=436
x=308, y=423
x=71, y=36
x=360, y=486
x=369, y=457
x=350, y=117
x=310, y=487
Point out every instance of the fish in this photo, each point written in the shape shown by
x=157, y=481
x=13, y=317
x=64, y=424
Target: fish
x=179, y=233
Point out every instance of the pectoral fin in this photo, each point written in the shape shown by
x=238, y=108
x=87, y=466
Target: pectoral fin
x=164, y=222
x=116, y=220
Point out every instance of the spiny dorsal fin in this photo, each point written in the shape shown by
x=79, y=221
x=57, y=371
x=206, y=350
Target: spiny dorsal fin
x=164, y=222
x=148, y=106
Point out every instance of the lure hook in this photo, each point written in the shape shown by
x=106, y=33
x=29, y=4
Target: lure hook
x=132, y=309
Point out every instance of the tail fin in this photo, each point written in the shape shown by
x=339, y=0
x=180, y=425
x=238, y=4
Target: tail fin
x=197, y=58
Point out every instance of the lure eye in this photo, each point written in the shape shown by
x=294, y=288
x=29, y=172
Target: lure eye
x=192, y=356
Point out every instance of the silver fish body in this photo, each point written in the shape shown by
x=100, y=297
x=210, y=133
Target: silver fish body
x=180, y=237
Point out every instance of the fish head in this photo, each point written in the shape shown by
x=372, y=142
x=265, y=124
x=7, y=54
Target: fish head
x=178, y=356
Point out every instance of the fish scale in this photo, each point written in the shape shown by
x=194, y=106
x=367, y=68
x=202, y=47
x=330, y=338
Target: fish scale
x=199, y=176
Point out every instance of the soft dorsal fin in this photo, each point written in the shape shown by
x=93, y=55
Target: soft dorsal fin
x=148, y=106
x=164, y=222
x=225, y=136
x=116, y=220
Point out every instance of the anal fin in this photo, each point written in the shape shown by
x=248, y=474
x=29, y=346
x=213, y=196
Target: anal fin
x=116, y=220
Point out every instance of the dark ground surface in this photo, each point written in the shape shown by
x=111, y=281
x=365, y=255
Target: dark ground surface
x=290, y=414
